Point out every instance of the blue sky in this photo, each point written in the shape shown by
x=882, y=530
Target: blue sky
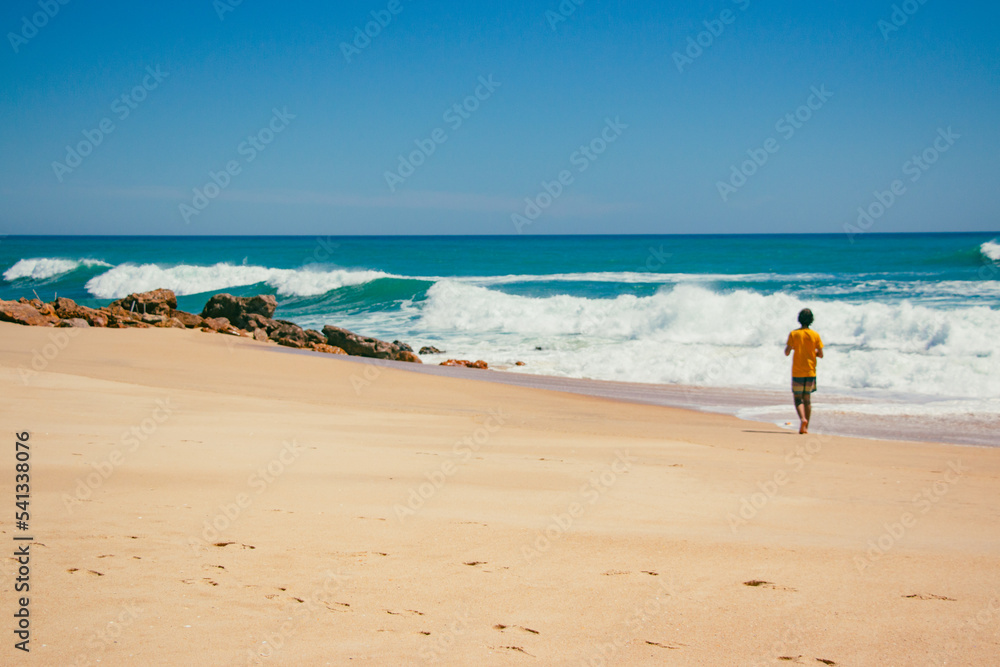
x=665, y=133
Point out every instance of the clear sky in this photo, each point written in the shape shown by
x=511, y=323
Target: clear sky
x=639, y=117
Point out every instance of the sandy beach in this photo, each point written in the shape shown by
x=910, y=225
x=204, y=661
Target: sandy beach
x=201, y=499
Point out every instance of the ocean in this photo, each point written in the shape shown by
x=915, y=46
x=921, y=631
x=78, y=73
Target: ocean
x=911, y=322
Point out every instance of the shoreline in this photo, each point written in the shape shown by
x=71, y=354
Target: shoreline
x=736, y=402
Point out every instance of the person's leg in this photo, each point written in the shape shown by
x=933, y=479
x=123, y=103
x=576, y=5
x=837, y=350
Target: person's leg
x=805, y=413
x=800, y=408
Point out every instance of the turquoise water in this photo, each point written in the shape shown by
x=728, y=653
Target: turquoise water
x=909, y=317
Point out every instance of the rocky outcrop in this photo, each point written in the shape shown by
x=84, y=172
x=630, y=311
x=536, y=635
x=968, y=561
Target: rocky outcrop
x=68, y=309
x=237, y=309
x=429, y=349
x=364, y=346
x=26, y=314
x=464, y=362
x=250, y=317
x=157, y=302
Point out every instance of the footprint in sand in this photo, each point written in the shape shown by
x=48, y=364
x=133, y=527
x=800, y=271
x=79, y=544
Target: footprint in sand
x=929, y=596
x=93, y=572
x=612, y=573
x=501, y=627
x=667, y=646
x=759, y=583
x=519, y=649
x=406, y=612
x=473, y=563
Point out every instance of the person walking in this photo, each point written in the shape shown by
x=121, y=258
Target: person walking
x=807, y=346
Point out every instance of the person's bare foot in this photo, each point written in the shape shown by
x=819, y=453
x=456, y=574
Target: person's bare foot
x=804, y=428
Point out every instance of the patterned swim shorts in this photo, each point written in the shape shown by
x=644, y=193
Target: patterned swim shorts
x=803, y=385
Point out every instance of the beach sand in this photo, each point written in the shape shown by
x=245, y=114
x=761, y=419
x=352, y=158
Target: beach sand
x=201, y=499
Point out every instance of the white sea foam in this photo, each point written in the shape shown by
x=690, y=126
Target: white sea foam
x=692, y=335
x=184, y=279
x=634, y=277
x=991, y=250
x=43, y=268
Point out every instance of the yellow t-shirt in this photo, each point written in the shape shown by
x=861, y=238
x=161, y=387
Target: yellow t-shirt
x=804, y=343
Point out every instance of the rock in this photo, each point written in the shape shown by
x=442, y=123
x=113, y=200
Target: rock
x=69, y=309
x=74, y=322
x=402, y=346
x=329, y=349
x=464, y=362
x=189, y=320
x=427, y=349
x=155, y=320
x=119, y=318
x=363, y=346
x=217, y=323
x=39, y=305
x=314, y=337
x=519, y=363
x=24, y=313
x=408, y=355
x=157, y=302
x=289, y=334
x=237, y=308
x=170, y=323
x=256, y=321
x=260, y=334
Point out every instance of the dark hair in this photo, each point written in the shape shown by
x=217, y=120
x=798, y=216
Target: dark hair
x=805, y=317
